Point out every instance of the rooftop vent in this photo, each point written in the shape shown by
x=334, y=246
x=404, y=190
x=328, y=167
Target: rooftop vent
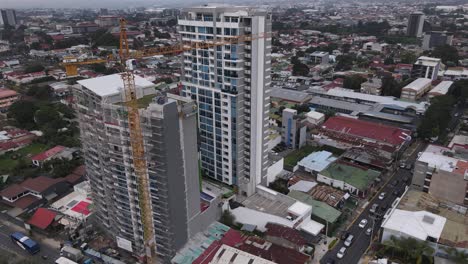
x=428, y=219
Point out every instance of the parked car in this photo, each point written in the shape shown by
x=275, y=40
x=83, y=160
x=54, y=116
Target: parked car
x=349, y=240
x=363, y=223
x=374, y=208
x=409, y=166
x=341, y=253
x=381, y=195
x=368, y=231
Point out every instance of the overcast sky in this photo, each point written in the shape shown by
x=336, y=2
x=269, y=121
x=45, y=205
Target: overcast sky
x=83, y=3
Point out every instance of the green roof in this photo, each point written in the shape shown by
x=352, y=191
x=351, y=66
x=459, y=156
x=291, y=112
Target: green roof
x=352, y=175
x=319, y=209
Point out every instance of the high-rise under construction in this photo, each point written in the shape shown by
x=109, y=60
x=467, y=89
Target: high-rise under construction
x=169, y=128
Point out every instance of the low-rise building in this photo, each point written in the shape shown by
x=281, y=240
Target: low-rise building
x=317, y=161
x=349, y=177
x=374, y=46
x=441, y=89
x=7, y=98
x=53, y=153
x=346, y=132
x=319, y=57
x=22, y=78
x=456, y=73
x=438, y=172
x=372, y=86
x=421, y=216
x=416, y=89
x=268, y=206
x=315, y=118
x=227, y=254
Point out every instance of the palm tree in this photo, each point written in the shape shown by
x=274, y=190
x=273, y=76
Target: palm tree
x=410, y=249
x=457, y=256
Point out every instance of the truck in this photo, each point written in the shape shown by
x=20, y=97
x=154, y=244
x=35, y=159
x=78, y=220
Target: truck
x=25, y=242
x=71, y=253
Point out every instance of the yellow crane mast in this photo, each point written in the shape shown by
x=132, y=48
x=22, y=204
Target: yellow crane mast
x=130, y=97
x=137, y=144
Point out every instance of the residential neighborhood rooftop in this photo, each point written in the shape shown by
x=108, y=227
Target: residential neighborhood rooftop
x=359, y=177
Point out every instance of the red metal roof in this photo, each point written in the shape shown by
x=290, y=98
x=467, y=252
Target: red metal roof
x=48, y=153
x=12, y=191
x=42, y=218
x=231, y=238
x=24, y=202
x=364, y=129
x=287, y=233
x=40, y=184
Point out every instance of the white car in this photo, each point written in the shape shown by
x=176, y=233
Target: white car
x=341, y=253
x=363, y=223
x=381, y=196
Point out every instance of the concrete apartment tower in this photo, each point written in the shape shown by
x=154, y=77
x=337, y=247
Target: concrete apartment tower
x=170, y=138
x=230, y=84
x=415, y=24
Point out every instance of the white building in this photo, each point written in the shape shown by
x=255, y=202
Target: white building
x=229, y=255
x=315, y=118
x=441, y=89
x=375, y=46
x=231, y=86
x=416, y=89
x=319, y=57
x=426, y=67
x=421, y=225
x=268, y=206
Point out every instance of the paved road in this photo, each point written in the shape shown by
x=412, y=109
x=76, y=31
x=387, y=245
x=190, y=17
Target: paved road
x=361, y=240
x=7, y=227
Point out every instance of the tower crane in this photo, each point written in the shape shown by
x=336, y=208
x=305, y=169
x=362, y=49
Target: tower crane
x=126, y=57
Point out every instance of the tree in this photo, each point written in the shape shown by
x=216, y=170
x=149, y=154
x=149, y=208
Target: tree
x=460, y=89
x=23, y=114
x=408, y=57
x=103, y=38
x=302, y=108
x=40, y=92
x=390, y=87
x=299, y=68
x=457, y=256
x=344, y=62
x=33, y=68
x=437, y=117
x=447, y=53
x=228, y=218
x=345, y=48
x=389, y=61
x=354, y=82
x=409, y=249
x=48, y=116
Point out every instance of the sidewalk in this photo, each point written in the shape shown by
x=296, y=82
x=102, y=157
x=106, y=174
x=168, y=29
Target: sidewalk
x=320, y=250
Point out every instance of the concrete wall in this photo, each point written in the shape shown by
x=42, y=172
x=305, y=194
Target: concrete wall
x=274, y=170
x=419, y=175
x=337, y=184
x=201, y=221
x=448, y=186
